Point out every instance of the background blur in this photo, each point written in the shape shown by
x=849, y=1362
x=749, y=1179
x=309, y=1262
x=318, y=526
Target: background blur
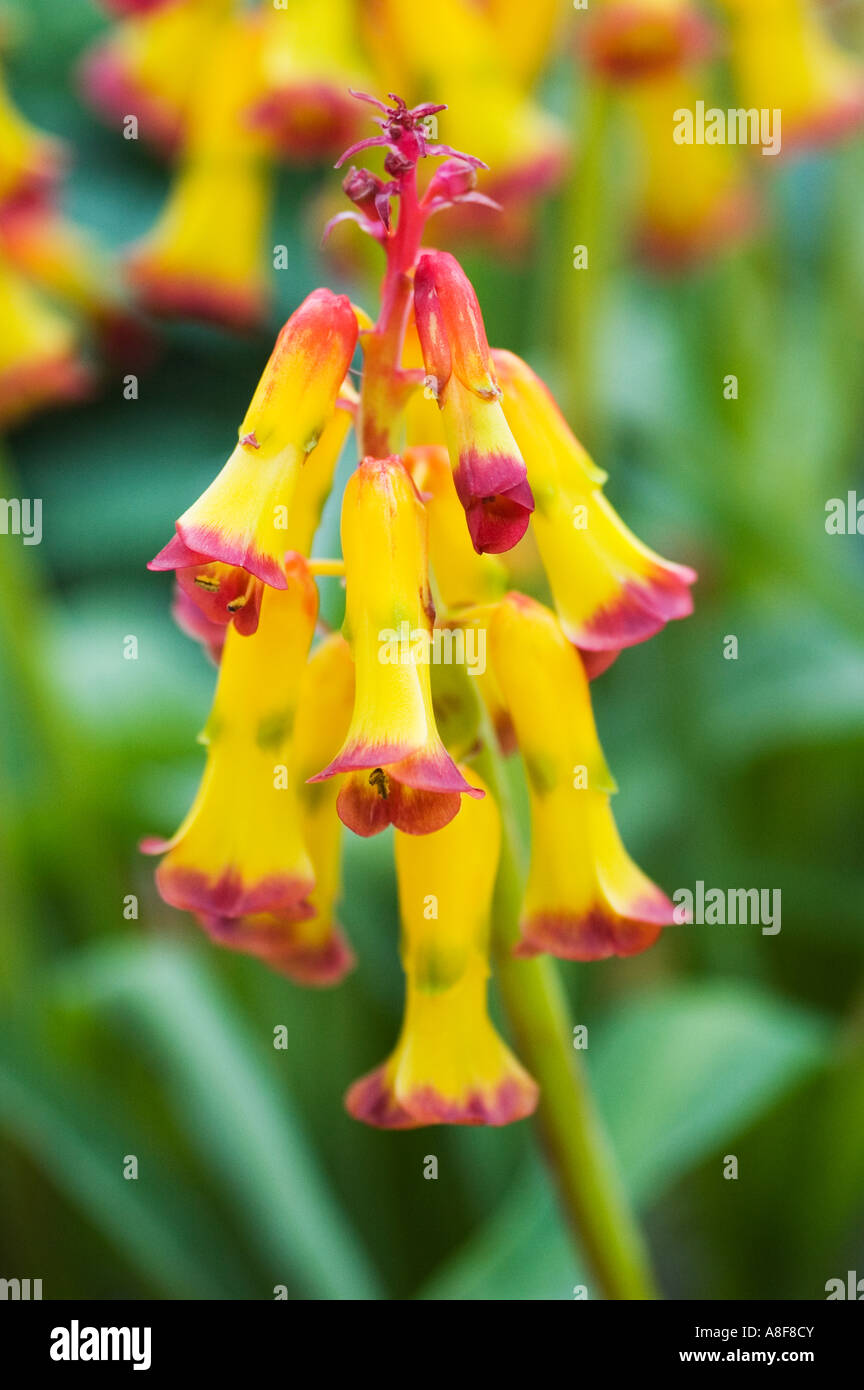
x=123, y=1037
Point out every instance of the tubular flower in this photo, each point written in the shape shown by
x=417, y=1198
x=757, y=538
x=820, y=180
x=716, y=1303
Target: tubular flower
x=585, y=898
x=610, y=590
x=488, y=469
x=399, y=771
x=30, y=161
x=633, y=39
x=242, y=521
x=40, y=362
x=311, y=67
x=204, y=257
x=694, y=200
x=379, y=725
x=449, y=1065
x=240, y=851
x=783, y=59
x=143, y=67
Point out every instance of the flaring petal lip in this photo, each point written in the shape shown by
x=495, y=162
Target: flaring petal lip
x=193, y=547
x=594, y=935
x=424, y=770
x=362, y=808
x=190, y=890
x=642, y=609
x=316, y=965
x=499, y=522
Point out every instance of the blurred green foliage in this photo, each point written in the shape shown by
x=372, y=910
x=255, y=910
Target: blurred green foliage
x=135, y=1037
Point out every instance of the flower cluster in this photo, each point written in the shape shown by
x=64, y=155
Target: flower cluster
x=657, y=55
x=58, y=290
x=461, y=449
x=228, y=89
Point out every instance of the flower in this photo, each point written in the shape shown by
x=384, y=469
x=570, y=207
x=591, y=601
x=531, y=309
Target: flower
x=40, y=357
x=692, y=200
x=30, y=161
x=449, y=1065
x=488, y=469
x=610, y=590
x=585, y=898
x=637, y=39
x=292, y=434
x=784, y=59
x=204, y=257
x=400, y=772
x=240, y=851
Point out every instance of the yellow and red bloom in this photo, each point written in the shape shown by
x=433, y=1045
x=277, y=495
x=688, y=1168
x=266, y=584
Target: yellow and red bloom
x=488, y=469
x=30, y=161
x=610, y=590
x=585, y=898
x=629, y=40
x=240, y=851
x=243, y=518
x=784, y=59
x=40, y=353
x=399, y=770
x=449, y=1066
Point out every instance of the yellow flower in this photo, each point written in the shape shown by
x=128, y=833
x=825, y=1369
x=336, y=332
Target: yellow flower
x=692, y=199
x=205, y=256
x=400, y=772
x=240, y=851
x=146, y=66
x=488, y=469
x=40, y=361
x=311, y=950
x=313, y=62
x=289, y=442
x=30, y=161
x=449, y=1065
x=585, y=898
x=610, y=590
x=635, y=39
x=784, y=59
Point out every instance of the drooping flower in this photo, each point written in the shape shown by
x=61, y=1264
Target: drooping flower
x=30, y=161
x=585, y=899
x=784, y=59
x=398, y=769
x=240, y=851
x=630, y=40
x=40, y=352
x=449, y=1066
x=289, y=442
x=312, y=63
x=610, y=590
x=488, y=469
x=311, y=950
x=204, y=258
x=144, y=67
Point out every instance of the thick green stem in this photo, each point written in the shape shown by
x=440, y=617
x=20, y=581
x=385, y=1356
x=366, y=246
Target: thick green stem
x=573, y=1134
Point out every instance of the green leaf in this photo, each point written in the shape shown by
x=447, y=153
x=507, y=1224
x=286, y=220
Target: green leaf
x=244, y=1127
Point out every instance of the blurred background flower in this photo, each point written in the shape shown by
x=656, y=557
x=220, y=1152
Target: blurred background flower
x=723, y=397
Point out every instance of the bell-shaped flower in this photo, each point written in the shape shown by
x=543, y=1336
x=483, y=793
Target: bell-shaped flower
x=784, y=60
x=449, y=1066
x=276, y=473
x=310, y=950
x=629, y=40
x=488, y=469
x=145, y=66
x=692, y=200
x=240, y=851
x=30, y=161
x=204, y=258
x=585, y=898
x=313, y=63
x=610, y=590
x=398, y=769
x=40, y=361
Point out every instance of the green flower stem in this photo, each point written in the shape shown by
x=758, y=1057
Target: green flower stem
x=574, y=1138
